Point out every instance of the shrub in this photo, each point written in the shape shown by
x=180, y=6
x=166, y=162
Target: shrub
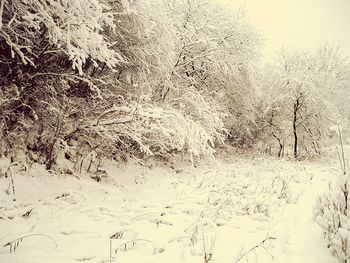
x=333, y=214
x=155, y=131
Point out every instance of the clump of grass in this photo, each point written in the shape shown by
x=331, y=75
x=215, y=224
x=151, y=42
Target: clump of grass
x=208, y=247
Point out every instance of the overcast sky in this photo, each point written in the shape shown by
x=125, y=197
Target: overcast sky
x=300, y=23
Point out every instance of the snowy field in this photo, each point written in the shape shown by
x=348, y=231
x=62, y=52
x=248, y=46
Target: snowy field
x=244, y=210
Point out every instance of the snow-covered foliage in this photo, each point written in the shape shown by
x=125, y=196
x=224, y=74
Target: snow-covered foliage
x=294, y=100
x=71, y=28
x=214, y=51
x=66, y=66
x=206, y=112
x=52, y=54
x=155, y=130
x=332, y=212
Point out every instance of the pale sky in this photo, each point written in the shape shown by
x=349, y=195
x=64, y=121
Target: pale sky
x=299, y=23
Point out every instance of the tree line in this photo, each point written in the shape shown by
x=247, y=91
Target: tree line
x=94, y=79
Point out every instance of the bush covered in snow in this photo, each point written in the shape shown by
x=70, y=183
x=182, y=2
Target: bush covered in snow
x=332, y=212
x=52, y=54
x=154, y=130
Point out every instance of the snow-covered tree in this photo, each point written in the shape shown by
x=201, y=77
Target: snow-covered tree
x=309, y=80
x=299, y=106
x=214, y=49
x=59, y=65
x=270, y=124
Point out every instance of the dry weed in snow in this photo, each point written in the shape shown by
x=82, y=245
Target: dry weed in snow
x=208, y=214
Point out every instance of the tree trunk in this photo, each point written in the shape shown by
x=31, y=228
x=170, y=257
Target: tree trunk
x=296, y=108
x=280, y=152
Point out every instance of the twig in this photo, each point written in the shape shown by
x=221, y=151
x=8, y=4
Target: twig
x=110, y=250
x=144, y=214
x=125, y=244
x=15, y=243
x=12, y=184
x=342, y=149
x=255, y=247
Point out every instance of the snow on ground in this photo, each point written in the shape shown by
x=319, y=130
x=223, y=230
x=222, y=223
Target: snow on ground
x=169, y=215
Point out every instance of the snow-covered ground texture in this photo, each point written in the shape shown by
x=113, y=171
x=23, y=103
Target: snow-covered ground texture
x=243, y=210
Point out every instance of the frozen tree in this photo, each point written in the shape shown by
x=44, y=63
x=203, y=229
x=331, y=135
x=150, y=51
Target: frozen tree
x=341, y=97
x=270, y=125
x=103, y=62
x=214, y=48
x=309, y=80
x=32, y=29
x=63, y=64
x=46, y=48
x=301, y=110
